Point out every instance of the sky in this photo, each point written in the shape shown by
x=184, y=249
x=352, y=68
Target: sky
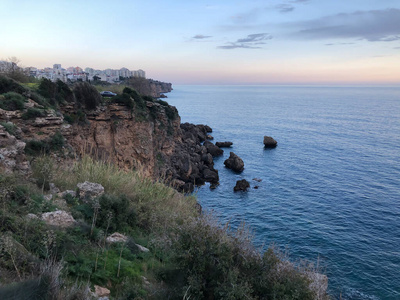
x=211, y=42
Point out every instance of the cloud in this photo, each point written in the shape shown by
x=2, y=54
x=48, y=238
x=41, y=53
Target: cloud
x=252, y=41
x=299, y=1
x=373, y=26
x=201, y=37
x=396, y=48
x=284, y=8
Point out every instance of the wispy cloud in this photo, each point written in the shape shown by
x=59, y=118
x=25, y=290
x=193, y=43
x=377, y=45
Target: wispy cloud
x=284, y=8
x=252, y=41
x=201, y=36
x=373, y=25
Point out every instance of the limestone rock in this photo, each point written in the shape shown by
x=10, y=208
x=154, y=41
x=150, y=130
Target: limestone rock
x=241, y=185
x=58, y=218
x=116, y=237
x=142, y=249
x=89, y=190
x=234, y=162
x=101, y=291
x=224, y=144
x=270, y=142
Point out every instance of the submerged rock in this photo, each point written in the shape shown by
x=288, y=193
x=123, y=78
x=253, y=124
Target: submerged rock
x=270, y=142
x=234, y=162
x=241, y=185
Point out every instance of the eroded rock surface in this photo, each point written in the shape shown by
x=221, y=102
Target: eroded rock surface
x=234, y=162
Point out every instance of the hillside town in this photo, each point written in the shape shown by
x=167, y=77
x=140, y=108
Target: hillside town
x=72, y=74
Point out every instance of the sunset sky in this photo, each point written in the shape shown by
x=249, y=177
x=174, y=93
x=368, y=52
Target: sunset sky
x=211, y=42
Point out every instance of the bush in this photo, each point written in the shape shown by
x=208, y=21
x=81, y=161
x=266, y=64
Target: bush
x=36, y=147
x=124, y=99
x=10, y=85
x=87, y=95
x=33, y=113
x=47, y=89
x=12, y=101
x=116, y=213
x=9, y=127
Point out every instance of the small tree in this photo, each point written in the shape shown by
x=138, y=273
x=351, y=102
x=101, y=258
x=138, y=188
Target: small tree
x=87, y=95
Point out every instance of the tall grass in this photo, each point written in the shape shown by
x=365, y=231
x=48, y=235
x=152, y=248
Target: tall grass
x=157, y=205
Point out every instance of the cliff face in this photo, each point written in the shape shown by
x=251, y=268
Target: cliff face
x=149, y=87
x=127, y=138
x=150, y=139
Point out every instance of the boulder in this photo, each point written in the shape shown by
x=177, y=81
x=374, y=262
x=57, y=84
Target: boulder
x=116, y=237
x=234, y=162
x=59, y=218
x=89, y=190
x=257, y=179
x=213, y=149
x=142, y=248
x=211, y=175
x=101, y=291
x=224, y=144
x=270, y=142
x=241, y=185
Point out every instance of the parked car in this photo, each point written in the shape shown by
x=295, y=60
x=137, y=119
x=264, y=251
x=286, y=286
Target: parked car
x=108, y=94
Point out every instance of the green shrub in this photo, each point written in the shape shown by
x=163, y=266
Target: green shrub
x=47, y=88
x=116, y=213
x=124, y=99
x=79, y=117
x=12, y=101
x=33, y=113
x=36, y=147
x=64, y=93
x=87, y=95
x=9, y=127
x=56, y=141
x=10, y=85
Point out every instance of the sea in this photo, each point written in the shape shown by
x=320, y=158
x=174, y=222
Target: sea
x=329, y=192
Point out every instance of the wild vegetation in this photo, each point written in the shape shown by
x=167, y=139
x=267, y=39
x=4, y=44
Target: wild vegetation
x=191, y=256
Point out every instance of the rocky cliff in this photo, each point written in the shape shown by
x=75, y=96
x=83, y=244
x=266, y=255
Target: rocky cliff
x=149, y=138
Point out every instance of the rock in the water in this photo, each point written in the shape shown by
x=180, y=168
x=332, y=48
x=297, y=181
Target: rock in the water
x=59, y=218
x=234, y=162
x=212, y=149
x=210, y=137
x=224, y=144
x=211, y=175
x=89, y=190
x=241, y=185
x=270, y=142
x=257, y=179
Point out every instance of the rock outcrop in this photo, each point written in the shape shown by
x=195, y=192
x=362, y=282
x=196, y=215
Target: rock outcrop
x=148, y=137
x=58, y=218
x=234, y=162
x=89, y=190
x=223, y=144
x=213, y=149
x=12, y=155
x=241, y=185
x=270, y=142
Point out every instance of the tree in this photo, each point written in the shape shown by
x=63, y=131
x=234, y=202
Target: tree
x=11, y=69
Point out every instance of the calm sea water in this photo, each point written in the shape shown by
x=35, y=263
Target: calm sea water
x=329, y=191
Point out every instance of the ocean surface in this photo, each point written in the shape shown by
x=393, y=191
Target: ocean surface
x=330, y=191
